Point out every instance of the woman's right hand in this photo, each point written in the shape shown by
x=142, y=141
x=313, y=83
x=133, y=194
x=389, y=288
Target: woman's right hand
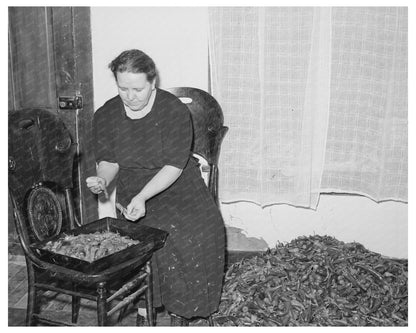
x=97, y=185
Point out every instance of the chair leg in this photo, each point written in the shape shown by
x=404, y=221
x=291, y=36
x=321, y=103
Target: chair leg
x=210, y=321
x=121, y=314
x=76, y=302
x=31, y=295
x=102, y=304
x=149, y=295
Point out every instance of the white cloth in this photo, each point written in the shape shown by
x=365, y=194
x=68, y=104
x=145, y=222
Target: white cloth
x=271, y=73
x=315, y=100
x=366, y=149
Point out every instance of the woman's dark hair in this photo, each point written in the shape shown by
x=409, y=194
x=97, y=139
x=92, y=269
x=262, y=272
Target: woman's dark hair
x=134, y=61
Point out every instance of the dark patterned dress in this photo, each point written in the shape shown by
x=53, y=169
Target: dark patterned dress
x=188, y=271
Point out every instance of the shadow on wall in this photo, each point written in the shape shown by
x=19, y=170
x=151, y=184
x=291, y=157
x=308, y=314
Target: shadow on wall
x=237, y=241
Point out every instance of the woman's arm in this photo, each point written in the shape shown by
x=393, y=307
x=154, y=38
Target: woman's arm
x=160, y=182
x=106, y=172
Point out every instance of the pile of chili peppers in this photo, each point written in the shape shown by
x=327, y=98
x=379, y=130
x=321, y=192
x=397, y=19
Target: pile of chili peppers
x=315, y=281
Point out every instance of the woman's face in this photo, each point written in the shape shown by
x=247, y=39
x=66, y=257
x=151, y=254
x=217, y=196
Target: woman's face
x=134, y=89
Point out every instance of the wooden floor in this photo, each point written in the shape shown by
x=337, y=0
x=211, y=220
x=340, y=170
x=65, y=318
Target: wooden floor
x=58, y=306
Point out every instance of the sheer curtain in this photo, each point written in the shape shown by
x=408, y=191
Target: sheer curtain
x=366, y=150
x=315, y=99
x=270, y=71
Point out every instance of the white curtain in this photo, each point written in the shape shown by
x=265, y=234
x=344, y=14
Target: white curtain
x=271, y=73
x=289, y=116
x=366, y=150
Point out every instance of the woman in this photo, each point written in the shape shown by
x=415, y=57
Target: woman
x=143, y=136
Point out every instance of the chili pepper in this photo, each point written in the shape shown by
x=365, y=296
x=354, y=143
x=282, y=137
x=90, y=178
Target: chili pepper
x=376, y=305
x=316, y=281
x=377, y=275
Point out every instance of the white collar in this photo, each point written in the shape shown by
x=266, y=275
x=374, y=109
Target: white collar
x=141, y=113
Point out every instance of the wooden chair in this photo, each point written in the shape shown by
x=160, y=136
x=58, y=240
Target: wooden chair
x=209, y=130
x=41, y=154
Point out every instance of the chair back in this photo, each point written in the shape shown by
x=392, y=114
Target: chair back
x=209, y=131
x=41, y=157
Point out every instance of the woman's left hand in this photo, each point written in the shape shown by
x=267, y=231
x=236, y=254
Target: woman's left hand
x=136, y=208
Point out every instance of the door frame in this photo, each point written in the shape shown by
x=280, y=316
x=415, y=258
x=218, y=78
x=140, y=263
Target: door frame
x=82, y=55
x=70, y=31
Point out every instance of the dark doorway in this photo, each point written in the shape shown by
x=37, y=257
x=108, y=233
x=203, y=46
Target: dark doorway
x=50, y=57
